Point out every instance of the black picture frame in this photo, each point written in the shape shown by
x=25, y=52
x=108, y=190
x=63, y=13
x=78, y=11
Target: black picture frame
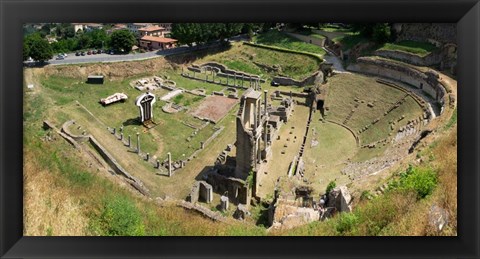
x=13, y=14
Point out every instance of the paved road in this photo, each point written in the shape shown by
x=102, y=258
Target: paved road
x=72, y=59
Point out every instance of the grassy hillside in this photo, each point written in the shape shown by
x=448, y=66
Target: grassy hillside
x=279, y=39
x=405, y=207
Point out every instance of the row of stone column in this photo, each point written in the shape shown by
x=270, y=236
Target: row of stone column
x=129, y=143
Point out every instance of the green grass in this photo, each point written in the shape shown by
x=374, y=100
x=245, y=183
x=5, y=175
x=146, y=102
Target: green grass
x=334, y=28
x=349, y=41
x=244, y=58
x=126, y=113
x=453, y=120
x=279, y=39
x=414, y=47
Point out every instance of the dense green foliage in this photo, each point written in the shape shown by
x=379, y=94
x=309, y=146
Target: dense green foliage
x=119, y=217
x=422, y=180
x=122, y=40
x=331, y=185
x=36, y=47
x=200, y=33
x=378, y=32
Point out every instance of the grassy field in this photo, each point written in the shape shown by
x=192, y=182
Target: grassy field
x=279, y=39
x=323, y=162
x=349, y=40
x=414, y=47
x=243, y=57
x=343, y=90
x=64, y=195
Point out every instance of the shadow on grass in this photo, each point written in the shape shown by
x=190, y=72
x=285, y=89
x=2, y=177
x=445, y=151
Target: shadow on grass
x=132, y=121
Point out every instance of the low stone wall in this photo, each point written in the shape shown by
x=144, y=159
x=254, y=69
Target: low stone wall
x=308, y=54
x=287, y=81
x=111, y=161
x=431, y=59
x=225, y=71
x=309, y=39
x=134, y=182
x=428, y=81
x=79, y=138
x=203, y=211
x=48, y=125
x=357, y=140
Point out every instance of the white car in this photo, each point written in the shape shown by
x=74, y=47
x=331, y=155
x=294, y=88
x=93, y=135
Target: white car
x=60, y=57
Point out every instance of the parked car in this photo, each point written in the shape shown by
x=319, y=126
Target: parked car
x=77, y=53
x=82, y=53
x=64, y=55
x=89, y=52
x=30, y=59
x=111, y=52
x=60, y=57
x=273, y=83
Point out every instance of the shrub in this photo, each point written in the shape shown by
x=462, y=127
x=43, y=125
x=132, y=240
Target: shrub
x=347, y=222
x=119, y=217
x=330, y=186
x=422, y=181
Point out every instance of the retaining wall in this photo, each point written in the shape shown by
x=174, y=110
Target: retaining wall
x=431, y=59
x=428, y=81
x=309, y=39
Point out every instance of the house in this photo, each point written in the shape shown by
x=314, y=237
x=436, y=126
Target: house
x=155, y=31
x=152, y=43
x=116, y=27
x=134, y=27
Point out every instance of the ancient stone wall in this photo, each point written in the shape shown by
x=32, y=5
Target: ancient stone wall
x=309, y=39
x=433, y=58
x=236, y=189
x=310, y=80
x=433, y=32
x=403, y=73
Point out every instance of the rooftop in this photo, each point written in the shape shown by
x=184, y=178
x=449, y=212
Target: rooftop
x=152, y=28
x=158, y=39
x=253, y=94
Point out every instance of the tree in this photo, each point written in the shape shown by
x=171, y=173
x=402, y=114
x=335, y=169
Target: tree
x=122, y=40
x=186, y=33
x=381, y=32
x=36, y=47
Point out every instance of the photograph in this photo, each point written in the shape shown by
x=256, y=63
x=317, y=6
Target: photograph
x=313, y=129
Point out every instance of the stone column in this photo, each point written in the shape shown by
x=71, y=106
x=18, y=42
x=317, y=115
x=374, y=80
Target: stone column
x=121, y=136
x=202, y=145
x=138, y=143
x=129, y=141
x=169, y=164
x=158, y=163
x=224, y=203
x=114, y=131
x=148, y=156
x=265, y=127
